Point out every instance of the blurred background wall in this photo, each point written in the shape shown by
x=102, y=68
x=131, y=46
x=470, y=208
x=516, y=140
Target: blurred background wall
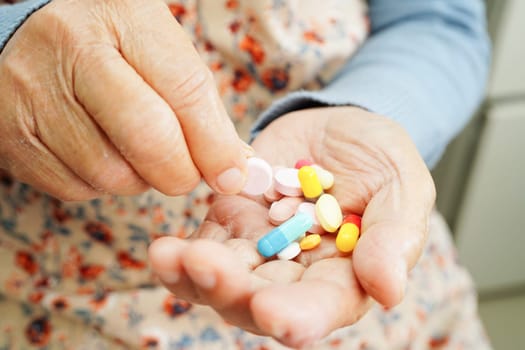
x=481, y=183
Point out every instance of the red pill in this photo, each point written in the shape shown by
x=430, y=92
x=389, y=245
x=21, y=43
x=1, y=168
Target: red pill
x=302, y=162
x=354, y=219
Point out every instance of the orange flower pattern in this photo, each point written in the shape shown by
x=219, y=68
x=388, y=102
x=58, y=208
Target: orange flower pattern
x=77, y=273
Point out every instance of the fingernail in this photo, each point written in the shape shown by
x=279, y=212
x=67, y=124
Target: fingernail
x=248, y=150
x=203, y=277
x=230, y=181
x=168, y=277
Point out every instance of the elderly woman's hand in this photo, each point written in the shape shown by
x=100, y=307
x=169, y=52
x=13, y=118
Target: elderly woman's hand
x=104, y=96
x=378, y=174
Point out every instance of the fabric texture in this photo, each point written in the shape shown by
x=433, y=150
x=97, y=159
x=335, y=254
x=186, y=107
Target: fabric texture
x=75, y=275
x=425, y=65
x=12, y=16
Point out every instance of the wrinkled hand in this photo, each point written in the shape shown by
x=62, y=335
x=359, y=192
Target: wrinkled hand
x=378, y=174
x=104, y=96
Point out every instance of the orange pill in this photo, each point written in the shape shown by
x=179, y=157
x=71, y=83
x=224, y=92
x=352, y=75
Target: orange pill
x=310, y=242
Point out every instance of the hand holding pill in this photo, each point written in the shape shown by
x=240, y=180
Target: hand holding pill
x=377, y=174
x=102, y=105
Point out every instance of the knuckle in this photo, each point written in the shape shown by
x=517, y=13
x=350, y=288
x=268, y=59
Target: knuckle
x=117, y=180
x=192, y=87
x=184, y=183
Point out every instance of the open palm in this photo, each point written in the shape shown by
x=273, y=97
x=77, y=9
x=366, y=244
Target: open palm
x=379, y=174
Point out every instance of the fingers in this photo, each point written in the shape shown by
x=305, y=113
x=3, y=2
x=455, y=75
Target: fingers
x=32, y=163
x=394, y=230
x=165, y=256
x=300, y=313
x=137, y=121
x=235, y=216
x=223, y=282
x=83, y=148
x=173, y=68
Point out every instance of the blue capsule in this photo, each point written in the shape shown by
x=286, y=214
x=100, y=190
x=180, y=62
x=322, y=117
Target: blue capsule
x=281, y=236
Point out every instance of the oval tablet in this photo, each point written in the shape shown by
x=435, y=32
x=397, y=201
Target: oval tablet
x=328, y=212
x=325, y=177
x=260, y=177
x=310, y=242
x=287, y=182
x=290, y=252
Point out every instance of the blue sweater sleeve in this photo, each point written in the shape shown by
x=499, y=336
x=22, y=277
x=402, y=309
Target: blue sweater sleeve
x=12, y=16
x=425, y=65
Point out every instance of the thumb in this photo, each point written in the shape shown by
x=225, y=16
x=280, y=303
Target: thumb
x=394, y=231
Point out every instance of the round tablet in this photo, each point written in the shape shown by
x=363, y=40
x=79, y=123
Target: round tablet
x=290, y=252
x=287, y=182
x=259, y=177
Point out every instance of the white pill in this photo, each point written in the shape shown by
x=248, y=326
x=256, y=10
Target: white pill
x=325, y=177
x=287, y=182
x=328, y=212
x=260, y=177
x=309, y=208
x=290, y=252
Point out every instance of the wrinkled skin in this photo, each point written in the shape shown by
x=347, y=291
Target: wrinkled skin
x=378, y=174
x=111, y=97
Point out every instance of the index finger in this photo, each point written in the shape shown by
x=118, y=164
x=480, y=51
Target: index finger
x=174, y=69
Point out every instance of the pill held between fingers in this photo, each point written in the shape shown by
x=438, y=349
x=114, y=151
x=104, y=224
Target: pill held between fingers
x=347, y=237
x=287, y=182
x=328, y=212
x=309, y=208
x=260, y=177
x=302, y=162
x=325, y=177
x=283, y=209
x=310, y=242
x=281, y=236
x=290, y=252
x=310, y=183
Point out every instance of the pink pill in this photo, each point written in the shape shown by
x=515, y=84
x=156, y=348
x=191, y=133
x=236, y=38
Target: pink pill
x=271, y=195
x=302, y=162
x=287, y=182
x=309, y=208
x=259, y=177
x=283, y=209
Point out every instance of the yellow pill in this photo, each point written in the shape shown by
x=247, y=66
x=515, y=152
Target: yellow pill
x=326, y=178
x=310, y=183
x=347, y=237
x=310, y=242
x=328, y=212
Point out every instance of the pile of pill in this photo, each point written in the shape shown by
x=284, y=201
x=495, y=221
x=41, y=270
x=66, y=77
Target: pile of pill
x=300, y=208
